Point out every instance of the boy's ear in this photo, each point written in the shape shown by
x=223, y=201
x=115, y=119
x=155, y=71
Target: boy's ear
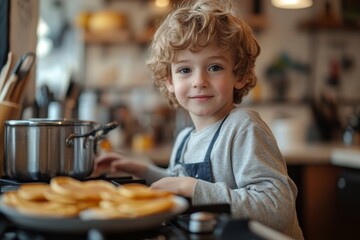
x=240, y=83
x=169, y=84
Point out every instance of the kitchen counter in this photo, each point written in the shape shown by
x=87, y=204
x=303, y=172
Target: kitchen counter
x=324, y=153
x=305, y=154
x=346, y=157
x=317, y=153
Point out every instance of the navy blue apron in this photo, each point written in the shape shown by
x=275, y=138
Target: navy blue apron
x=201, y=170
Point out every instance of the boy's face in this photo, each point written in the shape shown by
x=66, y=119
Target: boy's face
x=203, y=82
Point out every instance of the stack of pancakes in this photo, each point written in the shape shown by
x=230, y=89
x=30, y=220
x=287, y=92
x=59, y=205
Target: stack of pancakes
x=93, y=199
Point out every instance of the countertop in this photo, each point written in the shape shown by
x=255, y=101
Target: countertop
x=346, y=157
x=323, y=153
x=303, y=154
x=316, y=153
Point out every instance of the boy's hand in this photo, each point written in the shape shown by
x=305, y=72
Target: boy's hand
x=115, y=162
x=183, y=186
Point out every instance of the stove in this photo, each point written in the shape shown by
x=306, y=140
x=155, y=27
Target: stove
x=162, y=233
x=174, y=229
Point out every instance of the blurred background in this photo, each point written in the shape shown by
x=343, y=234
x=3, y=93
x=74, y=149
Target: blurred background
x=91, y=57
x=91, y=65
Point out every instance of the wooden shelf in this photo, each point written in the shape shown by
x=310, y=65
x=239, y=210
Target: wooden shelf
x=106, y=37
x=115, y=37
x=324, y=24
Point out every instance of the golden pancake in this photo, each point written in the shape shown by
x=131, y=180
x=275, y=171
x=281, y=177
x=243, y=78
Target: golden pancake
x=147, y=208
x=50, y=195
x=136, y=191
x=116, y=197
x=99, y=186
x=108, y=204
x=10, y=198
x=91, y=190
x=66, y=185
x=61, y=211
x=82, y=205
x=33, y=191
x=68, y=197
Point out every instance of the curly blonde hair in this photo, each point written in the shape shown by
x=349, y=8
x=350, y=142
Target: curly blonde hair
x=195, y=25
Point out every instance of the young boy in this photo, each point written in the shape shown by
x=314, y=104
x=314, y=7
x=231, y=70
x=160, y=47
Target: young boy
x=202, y=58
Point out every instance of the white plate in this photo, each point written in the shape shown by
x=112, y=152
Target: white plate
x=77, y=225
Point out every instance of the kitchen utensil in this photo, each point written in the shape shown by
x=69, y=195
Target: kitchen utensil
x=39, y=149
x=20, y=71
x=5, y=70
x=8, y=87
x=44, y=96
x=71, y=98
x=8, y=111
x=19, y=89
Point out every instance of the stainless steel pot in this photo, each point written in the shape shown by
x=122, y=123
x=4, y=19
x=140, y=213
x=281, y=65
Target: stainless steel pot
x=39, y=149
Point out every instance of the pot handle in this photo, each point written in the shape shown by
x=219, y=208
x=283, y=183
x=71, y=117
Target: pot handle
x=104, y=128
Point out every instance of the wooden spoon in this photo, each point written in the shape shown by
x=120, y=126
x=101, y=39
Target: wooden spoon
x=5, y=71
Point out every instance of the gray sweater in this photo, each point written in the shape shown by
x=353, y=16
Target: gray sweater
x=248, y=171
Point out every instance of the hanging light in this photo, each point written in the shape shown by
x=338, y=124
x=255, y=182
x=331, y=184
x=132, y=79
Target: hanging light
x=292, y=4
x=162, y=3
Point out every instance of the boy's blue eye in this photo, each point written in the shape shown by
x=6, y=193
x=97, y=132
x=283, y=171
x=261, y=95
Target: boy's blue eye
x=215, y=68
x=184, y=70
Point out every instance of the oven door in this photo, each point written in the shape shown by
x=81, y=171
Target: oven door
x=348, y=204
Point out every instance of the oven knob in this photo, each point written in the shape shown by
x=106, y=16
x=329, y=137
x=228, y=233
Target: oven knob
x=202, y=222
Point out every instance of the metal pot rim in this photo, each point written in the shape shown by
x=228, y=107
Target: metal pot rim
x=50, y=122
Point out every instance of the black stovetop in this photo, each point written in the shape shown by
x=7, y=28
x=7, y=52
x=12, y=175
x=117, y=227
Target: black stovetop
x=172, y=230
x=166, y=232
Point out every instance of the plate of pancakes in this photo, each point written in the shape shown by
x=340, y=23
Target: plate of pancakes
x=67, y=204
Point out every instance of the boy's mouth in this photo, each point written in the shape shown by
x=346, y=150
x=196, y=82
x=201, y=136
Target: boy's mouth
x=201, y=97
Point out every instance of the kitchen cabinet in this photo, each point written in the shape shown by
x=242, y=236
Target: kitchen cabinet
x=315, y=177
x=115, y=37
x=316, y=201
x=348, y=191
x=347, y=204
x=118, y=37
x=328, y=189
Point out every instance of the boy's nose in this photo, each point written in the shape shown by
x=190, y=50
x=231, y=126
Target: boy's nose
x=200, y=80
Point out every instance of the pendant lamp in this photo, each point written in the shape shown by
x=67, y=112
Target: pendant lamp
x=292, y=4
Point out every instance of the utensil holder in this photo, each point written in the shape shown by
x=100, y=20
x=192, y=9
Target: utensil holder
x=8, y=111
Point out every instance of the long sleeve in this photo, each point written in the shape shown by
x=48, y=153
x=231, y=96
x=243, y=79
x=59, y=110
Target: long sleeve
x=155, y=173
